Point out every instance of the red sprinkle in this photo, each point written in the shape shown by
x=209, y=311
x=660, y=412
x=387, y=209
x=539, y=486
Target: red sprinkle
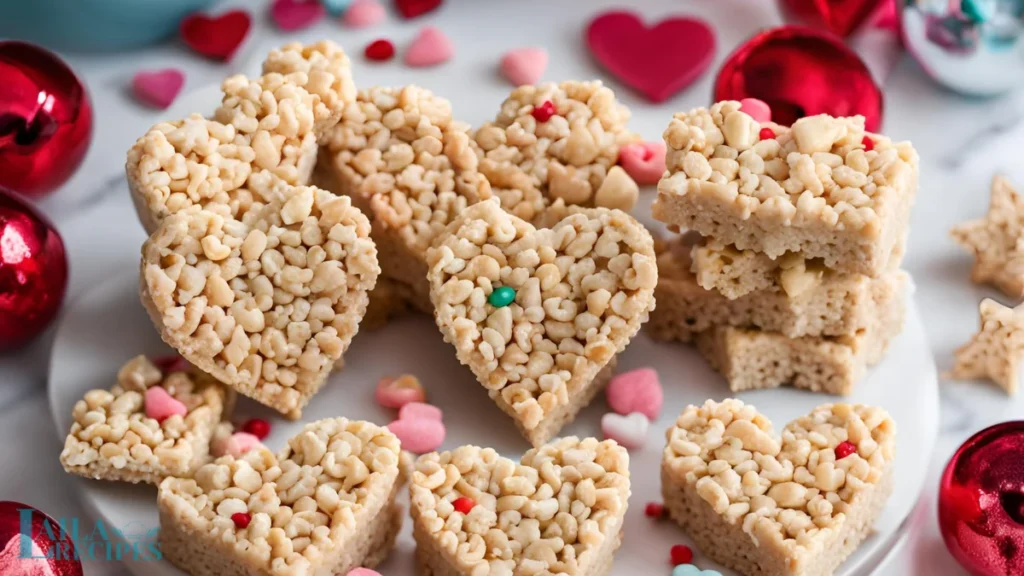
x=544, y=112
x=654, y=510
x=380, y=50
x=258, y=427
x=463, y=504
x=681, y=554
x=868, y=143
x=241, y=519
x=844, y=449
x=766, y=134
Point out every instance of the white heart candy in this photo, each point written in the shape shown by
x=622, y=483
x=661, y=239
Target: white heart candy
x=629, y=431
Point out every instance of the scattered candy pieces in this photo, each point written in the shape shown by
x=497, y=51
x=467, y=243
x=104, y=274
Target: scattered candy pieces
x=414, y=8
x=681, y=554
x=691, y=570
x=868, y=143
x=636, y=391
x=419, y=436
x=241, y=520
x=258, y=427
x=629, y=431
x=643, y=161
x=363, y=572
x=160, y=405
x=234, y=445
x=380, y=50
x=524, y=66
x=158, y=88
x=336, y=7
x=654, y=510
x=766, y=134
x=463, y=504
x=397, y=392
x=757, y=109
x=430, y=48
x=216, y=37
x=544, y=112
x=844, y=449
x=420, y=411
x=364, y=13
x=502, y=296
x=292, y=15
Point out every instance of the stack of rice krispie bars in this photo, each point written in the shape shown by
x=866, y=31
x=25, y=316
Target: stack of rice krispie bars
x=788, y=271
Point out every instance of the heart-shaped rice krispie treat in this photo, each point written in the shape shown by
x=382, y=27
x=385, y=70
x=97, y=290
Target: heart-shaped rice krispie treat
x=558, y=511
x=538, y=314
x=798, y=505
x=260, y=142
x=557, y=144
x=154, y=423
x=266, y=308
x=323, y=505
x=410, y=167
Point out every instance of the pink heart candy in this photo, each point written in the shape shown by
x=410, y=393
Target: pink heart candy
x=363, y=572
x=420, y=411
x=430, y=48
x=291, y=15
x=158, y=88
x=397, y=392
x=235, y=445
x=524, y=66
x=160, y=405
x=629, y=431
x=636, y=391
x=419, y=436
x=364, y=13
x=643, y=161
x=756, y=109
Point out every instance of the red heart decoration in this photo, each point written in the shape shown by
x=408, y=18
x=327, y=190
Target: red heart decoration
x=658, y=61
x=216, y=37
x=26, y=536
x=840, y=16
x=414, y=8
x=292, y=15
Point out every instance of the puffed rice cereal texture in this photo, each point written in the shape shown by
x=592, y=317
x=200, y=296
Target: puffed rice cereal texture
x=111, y=438
x=266, y=308
x=582, y=289
x=558, y=511
x=765, y=505
x=813, y=189
x=324, y=505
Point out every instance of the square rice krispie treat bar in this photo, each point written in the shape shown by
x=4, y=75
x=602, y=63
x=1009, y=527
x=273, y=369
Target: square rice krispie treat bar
x=825, y=188
x=559, y=510
x=154, y=423
x=764, y=505
x=323, y=505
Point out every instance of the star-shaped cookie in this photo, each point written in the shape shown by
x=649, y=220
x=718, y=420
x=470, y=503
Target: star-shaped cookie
x=996, y=350
x=997, y=240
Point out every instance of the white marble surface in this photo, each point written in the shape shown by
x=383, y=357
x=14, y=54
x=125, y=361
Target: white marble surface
x=962, y=144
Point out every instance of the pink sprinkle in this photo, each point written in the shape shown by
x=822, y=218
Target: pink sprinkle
x=756, y=109
x=419, y=436
x=235, y=445
x=363, y=14
x=160, y=405
x=420, y=411
x=397, y=392
x=636, y=391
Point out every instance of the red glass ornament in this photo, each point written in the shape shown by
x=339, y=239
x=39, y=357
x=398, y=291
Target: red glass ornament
x=842, y=17
x=258, y=427
x=801, y=72
x=26, y=532
x=33, y=272
x=681, y=554
x=981, y=502
x=463, y=505
x=45, y=120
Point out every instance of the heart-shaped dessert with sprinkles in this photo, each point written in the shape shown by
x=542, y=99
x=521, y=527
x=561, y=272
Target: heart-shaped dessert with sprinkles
x=558, y=511
x=323, y=505
x=792, y=505
x=539, y=314
x=267, y=308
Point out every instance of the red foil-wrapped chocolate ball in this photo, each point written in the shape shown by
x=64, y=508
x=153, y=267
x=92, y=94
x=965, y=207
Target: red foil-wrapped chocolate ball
x=33, y=273
x=981, y=502
x=801, y=72
x=34, y=544
x=45, y=120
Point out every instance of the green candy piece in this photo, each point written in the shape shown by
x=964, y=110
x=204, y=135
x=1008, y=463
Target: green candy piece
x=502, y=296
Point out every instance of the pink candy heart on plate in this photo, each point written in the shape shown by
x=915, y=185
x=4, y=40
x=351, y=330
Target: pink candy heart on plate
x=629, y=431
x=430, y=48
x=235, y=445
x=420, y=411
x=419, y=428
x=397, y=392
x=364, y=13
x=160, y=405
x=757, y=109
x=158, y=88
x=643, y=161
x=636, y=391
x=291, y=15
x=524, y=66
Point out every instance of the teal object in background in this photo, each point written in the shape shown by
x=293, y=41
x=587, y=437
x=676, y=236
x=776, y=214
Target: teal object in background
x=337, y=7
x=94, y=25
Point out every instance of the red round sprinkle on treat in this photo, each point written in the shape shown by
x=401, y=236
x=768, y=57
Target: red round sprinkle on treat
x=380, y=50
x=681, y=554
x=868, y=143
x=241, y=519
x=766, y=134
x=463, y=504
x=654, y=510
x=544, y=112
x=844, y=449
x=258, y=427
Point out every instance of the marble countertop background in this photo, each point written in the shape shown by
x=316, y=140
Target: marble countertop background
x=962, y=143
